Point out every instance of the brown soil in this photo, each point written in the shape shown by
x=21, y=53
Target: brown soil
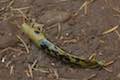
x=80, y=34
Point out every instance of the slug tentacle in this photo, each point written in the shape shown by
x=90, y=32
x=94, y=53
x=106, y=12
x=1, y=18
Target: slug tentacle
x=41, y=41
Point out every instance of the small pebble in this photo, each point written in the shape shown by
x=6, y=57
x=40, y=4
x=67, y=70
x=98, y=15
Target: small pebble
x=67, y=34
x=53, y=64
x=100, y=53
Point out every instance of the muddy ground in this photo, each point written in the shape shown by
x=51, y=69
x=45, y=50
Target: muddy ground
x=81, y=34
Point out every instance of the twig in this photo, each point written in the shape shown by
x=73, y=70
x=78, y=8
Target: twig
x=25, y=45
x=30, y=70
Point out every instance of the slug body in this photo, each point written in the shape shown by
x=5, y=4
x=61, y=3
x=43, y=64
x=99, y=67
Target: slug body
x=42, y=42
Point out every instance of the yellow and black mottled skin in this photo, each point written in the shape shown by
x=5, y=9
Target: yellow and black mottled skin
x=40, y=40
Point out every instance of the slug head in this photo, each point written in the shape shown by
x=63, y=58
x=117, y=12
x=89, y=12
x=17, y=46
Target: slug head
x=33, y=33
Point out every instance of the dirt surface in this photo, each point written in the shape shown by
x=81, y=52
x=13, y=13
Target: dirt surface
x=80, y=34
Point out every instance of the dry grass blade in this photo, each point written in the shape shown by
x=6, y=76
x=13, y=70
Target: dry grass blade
x=85, y=6
x=8, y=6
x=117, y=10
x=91, y=77
x=56, y=73
x=26, y=47
x=21, y=12
x=34, y=63
x=86, y=9
x=110, y=30
x=11, y=2
x=11, y=69
x=117, y=34
x=20, y=8
x=70, y=41
x=41, y=70
x=109, y=63
x=2, y=51
x=30, y=70
x=27, y=73
x=9, y=48
x=59, y=30
x=108, y=2
x=109, y=70
x=8, y=63
x=92, y=57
